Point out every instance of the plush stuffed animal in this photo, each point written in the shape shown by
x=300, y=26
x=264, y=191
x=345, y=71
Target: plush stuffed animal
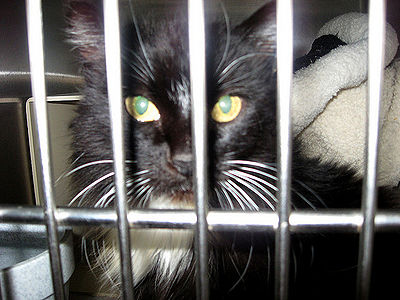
x=330, y=98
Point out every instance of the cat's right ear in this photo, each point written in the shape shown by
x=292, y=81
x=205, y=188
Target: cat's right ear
x=85, y=28
x=261, y=28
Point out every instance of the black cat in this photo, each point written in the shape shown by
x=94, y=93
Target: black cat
x=241, y=87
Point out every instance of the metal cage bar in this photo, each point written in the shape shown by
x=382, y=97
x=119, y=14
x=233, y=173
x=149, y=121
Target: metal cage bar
x=348, y=221
x=114, y=87
x=36, y=61
x=197, y=62
x=376, y=52
x=284, y=46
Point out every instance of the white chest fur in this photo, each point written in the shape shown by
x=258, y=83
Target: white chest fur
x=165, y=251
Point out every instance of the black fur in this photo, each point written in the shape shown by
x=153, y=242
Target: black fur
x=323, y=266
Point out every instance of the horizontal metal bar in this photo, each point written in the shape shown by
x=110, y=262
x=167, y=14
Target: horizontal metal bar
x=300, y=221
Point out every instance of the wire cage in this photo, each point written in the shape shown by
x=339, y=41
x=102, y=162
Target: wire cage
x=282, y=223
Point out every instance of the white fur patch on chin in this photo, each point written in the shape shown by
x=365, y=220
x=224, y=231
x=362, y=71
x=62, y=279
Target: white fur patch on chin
x=168, y=252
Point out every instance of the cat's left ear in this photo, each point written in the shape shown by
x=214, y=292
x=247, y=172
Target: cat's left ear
x=260, y=28
x=85, y=28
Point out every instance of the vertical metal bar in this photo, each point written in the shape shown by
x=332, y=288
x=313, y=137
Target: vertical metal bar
x=36, y=61
x=114, y=83
x=376, y=52
x=284, y=81
x=199, y=130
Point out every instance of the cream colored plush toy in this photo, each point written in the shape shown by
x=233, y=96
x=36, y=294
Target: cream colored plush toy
x=330, y=101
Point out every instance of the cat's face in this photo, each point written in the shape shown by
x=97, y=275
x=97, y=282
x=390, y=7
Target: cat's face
x=241, y=114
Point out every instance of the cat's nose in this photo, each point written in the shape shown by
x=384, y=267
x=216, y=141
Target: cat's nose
x=183, y=163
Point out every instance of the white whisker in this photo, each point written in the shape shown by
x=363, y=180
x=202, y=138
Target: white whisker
x=137, y=182
x=248, y=171
x=92, y=163
x=268, y=264
x=251, y=163
x=219, y=198
x=104, y=198
x=255, y=178
x=245, y=269
x=105, y=263
x=228, y=37
x=66, y=171
x=85, y=253
x=257, y=171
x=250, y=185
x=89, y=164
x=90, y=186
x=96, y=248
x=141, y=43
x=228, y=198
x=101, y=262
x=304, y=199
x=252, y=204
x=138, y=173
x=145, y=198
x=239, y=193
x=236, y=196
x=236, y=63
x=140, y=192
x=234, y=264
x=263, y=185
x=145, y=68
x=312, y=192
x=294, y=265
x=109, y=201
x=142, y=74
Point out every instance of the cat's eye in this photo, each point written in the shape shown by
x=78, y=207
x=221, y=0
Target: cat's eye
x=142, y=109
x=226, y=109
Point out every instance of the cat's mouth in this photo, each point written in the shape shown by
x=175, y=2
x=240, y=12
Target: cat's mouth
x=184, y=198
x=176, y=200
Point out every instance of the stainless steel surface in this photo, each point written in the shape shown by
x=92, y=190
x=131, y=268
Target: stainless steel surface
x=114, y=87
x=284, y=49
x=24, y=261
x=61, y=110
x=36, y=61
x=15, y=173
x=197, y=60
x=376, y=52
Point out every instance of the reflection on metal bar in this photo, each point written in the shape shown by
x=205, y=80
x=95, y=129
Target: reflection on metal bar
x=199, y=133
x=376, y=48
x=114, y=83
x=36, y=61
x=284, y=41
x=344, y=221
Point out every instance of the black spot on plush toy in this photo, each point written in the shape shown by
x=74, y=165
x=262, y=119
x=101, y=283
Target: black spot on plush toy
x=320, y=47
